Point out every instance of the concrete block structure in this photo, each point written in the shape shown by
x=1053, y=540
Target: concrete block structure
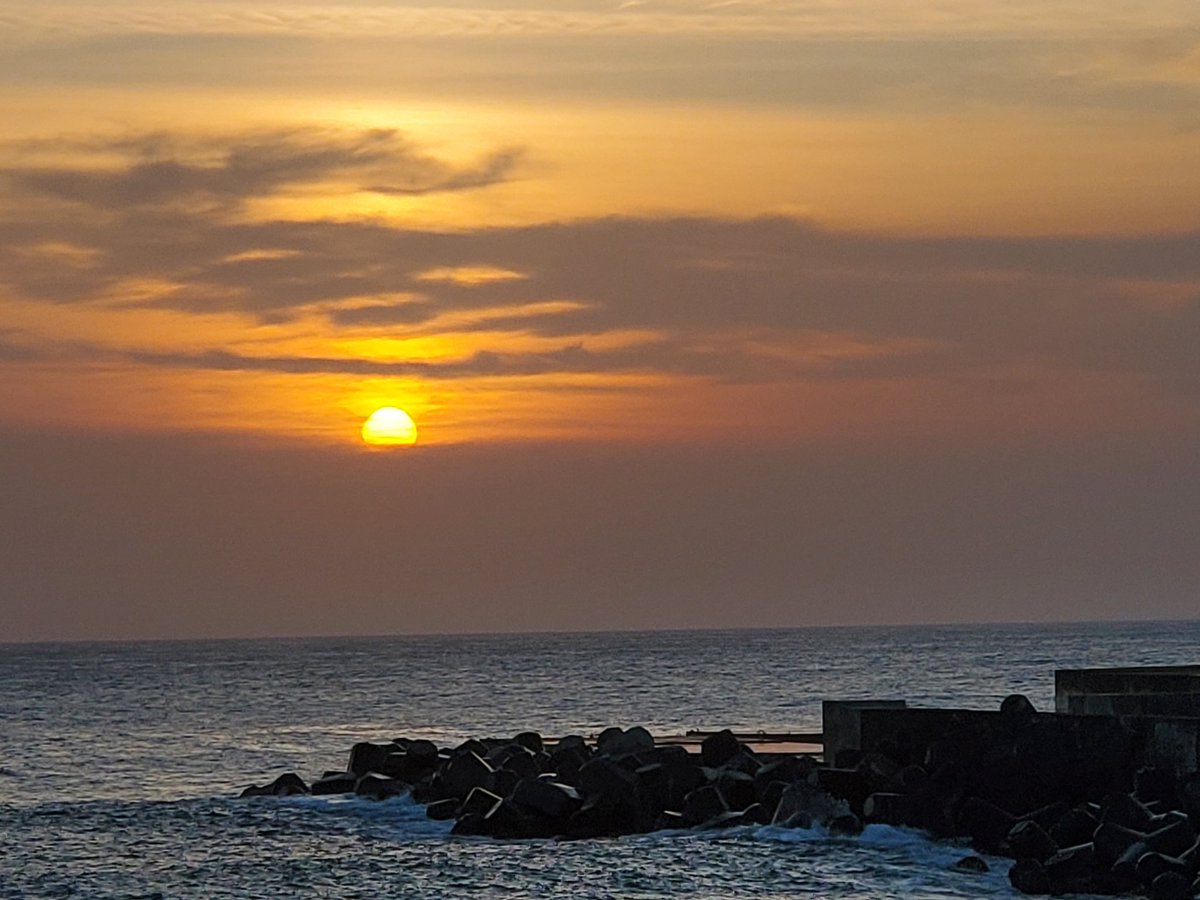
x=1140, y=691
x=1123, y=717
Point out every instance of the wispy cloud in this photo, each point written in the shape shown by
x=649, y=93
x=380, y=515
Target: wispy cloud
x=770, y=299
x=766, y=18
x=161, y=170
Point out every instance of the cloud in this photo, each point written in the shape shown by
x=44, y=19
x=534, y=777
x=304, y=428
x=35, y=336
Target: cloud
x=14, y=349
x=573, y=358
x=769, y=299
x=437, y=178
x=523, y=18
x=163, y=171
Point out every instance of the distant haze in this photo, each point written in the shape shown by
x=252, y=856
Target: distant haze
x=161, y=537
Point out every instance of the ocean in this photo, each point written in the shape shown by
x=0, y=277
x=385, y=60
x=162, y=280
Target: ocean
x=121, y=763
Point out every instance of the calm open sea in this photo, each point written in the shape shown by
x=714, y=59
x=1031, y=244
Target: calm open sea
x=120, y=764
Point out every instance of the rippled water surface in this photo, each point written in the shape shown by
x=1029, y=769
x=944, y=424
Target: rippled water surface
x=119, y=763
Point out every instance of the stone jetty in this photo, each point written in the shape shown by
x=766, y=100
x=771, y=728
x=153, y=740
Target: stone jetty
x=622, y=782
x=1082, y=803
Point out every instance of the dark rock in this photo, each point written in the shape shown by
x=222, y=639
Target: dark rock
x=788, y=769
x=702, y=804
x=727, y=819
x=470, y=824
x=736, y=787
x=1171, y=886
x=654, y=787
x=367, y=757
x=479, y=801
x=531, y=741
x=1028, y=840
x=286, y=785
x=879, y=771
x=1016, y=710
x=504, y=780
x=744, y=762
x=845, y=825
x=848, y=758
x=1173, y=839
x=1075, y=827
x=465, y=771
x=669, y=819
x=602, y=777
x=442, y=810
x=1122, y=809
x=1125, y=866
x=909, y=780
x=1164, y=818
x=479, y=748
x=1029, y=877
x=515, y=758
x=607, y=735
x=1050, y=815
x=554, y=801
x=719, y=748
x=1156, y=784
x=940, y=797
x=845, y=784
x=631, y=762
x=972, y=864
x=672, y=754
x=985, y=823
x=399, y=764
x=429, y=791
x=337, y=783
x=510, y=821
x=1073, y=870
x=423, y=750
x=1112, y=841
x=890, y=809
x=379, y=787
x=1191, y=858
x=602, y=816
x=756, y=814
x=683, y=777
x=566, y=762
x=769, y=797
x=1151, y=865
x=571, y=742
x=622, y=743
x=1189, y=795
x=890, y=748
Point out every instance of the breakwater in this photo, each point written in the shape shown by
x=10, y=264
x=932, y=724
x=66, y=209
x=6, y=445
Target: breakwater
x=1097, y=804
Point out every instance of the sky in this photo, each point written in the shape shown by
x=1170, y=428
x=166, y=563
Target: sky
x=744, y=313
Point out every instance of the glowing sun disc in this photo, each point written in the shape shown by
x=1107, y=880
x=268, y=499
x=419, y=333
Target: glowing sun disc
x=389, y=427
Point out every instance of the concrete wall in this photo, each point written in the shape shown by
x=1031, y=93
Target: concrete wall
x=841, y=723
x=1145, y=682
x=1176, y=706
x=1171, y=743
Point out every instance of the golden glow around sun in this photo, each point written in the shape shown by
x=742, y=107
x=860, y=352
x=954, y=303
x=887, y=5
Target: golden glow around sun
x=389, y=427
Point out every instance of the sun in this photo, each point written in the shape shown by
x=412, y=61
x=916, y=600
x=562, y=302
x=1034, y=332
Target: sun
x=389, y=427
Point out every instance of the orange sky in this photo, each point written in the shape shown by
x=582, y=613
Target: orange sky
x=668, y=223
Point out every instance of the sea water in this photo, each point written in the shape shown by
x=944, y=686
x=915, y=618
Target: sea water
x=120, y=763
